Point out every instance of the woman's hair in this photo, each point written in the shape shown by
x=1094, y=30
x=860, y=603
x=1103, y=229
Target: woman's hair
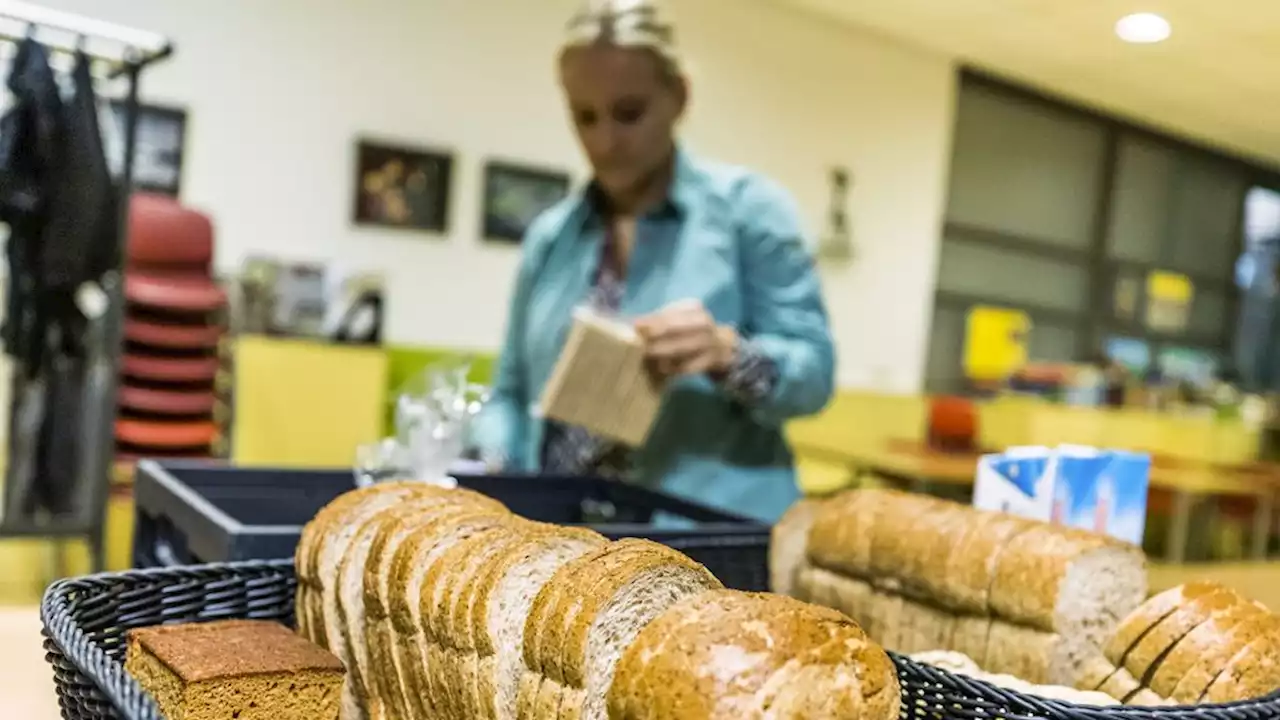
x=636, y=24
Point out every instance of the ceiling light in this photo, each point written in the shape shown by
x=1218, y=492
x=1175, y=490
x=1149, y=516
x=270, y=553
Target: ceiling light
x=1143, y=28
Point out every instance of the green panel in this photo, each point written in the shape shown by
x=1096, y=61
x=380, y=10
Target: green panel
x=406, y=361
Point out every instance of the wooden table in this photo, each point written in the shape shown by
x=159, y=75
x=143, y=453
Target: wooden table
x=921, y=468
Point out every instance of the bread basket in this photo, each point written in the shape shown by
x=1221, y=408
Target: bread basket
x=85, y=621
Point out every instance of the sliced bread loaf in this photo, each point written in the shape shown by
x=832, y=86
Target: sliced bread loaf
x=1039, y=657
x=1150, y=613
x=501, y=604
x=844, y=528
x=1145, y=656
x=1205, y=639
x=1233, y=640
x=788, y=545
x=1070, y=582
x=725, y=654
x=1254, y=672
x=972, y=561
x=412, y=561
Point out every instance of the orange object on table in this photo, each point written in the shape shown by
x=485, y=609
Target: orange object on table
x=953, y=423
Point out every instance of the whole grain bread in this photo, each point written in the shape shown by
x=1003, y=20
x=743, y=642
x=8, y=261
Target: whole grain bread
x=724, y=654
x=1252, y=673
x=1145, y=657
x=1205, y=639
x=1195, y=683
x=1068, y=581
x=788, y=545
x=1150, y=613
x=844, y=529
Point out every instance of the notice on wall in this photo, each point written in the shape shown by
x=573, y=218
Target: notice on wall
x=995, y=345
x=1169, y=297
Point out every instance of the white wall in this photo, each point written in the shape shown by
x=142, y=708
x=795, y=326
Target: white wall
x=277, y=90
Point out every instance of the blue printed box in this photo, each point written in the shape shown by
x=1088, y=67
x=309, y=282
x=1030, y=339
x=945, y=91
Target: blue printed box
x=1099, y=490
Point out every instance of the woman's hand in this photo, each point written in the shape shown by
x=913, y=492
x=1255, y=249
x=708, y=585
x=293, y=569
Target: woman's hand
x=683, y=339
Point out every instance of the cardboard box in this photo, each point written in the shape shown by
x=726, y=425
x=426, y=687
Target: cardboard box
x=1103, y=491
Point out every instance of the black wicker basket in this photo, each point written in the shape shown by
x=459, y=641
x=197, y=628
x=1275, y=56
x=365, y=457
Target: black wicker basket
x=85, y=621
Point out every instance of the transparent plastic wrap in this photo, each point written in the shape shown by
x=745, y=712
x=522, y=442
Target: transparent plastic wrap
x=434, y=414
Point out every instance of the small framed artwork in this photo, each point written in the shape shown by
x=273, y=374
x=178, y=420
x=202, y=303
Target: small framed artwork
x=401, y=186
x=158, y=146
x=516, y=194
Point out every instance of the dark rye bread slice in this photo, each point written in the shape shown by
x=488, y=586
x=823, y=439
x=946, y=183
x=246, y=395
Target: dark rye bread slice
x=843, y=531
x=1252, y=673
x=273, y=673
x=1070, y=582
x=502, y=599
x=730, y=654
x=1206, y=669
x=415, y=558
x=788, y=545
x=1202, y=640
x=1144, y=658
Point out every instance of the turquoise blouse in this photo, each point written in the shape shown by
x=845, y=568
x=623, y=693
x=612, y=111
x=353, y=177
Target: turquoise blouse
x=729, y=238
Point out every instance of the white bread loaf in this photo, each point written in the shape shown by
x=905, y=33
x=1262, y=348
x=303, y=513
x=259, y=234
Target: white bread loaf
x=731, y=655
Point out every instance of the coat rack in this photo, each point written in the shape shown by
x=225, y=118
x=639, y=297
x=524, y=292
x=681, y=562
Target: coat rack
x=126, y=51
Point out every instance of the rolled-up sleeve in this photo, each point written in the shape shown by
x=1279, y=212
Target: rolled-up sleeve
x=786, y=367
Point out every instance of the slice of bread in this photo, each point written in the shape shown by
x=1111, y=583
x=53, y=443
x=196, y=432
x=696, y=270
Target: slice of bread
x=1203, y=640
x=844, y=529
x=788, y=545
x=1254, y=672
x=415, y=558
x=1066, y=581
x=1150, y=613
x=969, y=635
x=1094, y=671
x=731, y=654
x=972, y=561
x=1036, y=656
x=1145, y=657
x=1205, y=670
x=502, y=603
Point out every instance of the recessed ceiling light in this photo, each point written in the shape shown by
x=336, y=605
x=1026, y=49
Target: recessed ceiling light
x=1143, y=28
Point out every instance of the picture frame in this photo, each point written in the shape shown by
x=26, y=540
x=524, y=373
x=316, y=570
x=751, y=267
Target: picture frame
x=514, y=195
x=402, y=186
x=159, y=146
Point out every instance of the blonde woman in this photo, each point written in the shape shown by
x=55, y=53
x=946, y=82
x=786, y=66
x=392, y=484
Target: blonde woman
x=706, y=259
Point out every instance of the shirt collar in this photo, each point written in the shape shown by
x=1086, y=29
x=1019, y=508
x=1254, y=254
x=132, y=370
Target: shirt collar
x=679, y=194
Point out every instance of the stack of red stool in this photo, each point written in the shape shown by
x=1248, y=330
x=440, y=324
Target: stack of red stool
x=174, y=321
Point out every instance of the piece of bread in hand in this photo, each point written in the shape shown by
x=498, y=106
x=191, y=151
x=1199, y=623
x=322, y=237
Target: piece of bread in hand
x=729, y=655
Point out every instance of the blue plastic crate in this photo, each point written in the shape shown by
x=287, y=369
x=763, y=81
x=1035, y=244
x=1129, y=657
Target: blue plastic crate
x=193, y=513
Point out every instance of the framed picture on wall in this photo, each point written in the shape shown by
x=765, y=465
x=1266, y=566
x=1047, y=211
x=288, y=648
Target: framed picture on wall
x=516, y=194
x=401, y=186
x=158, y=146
